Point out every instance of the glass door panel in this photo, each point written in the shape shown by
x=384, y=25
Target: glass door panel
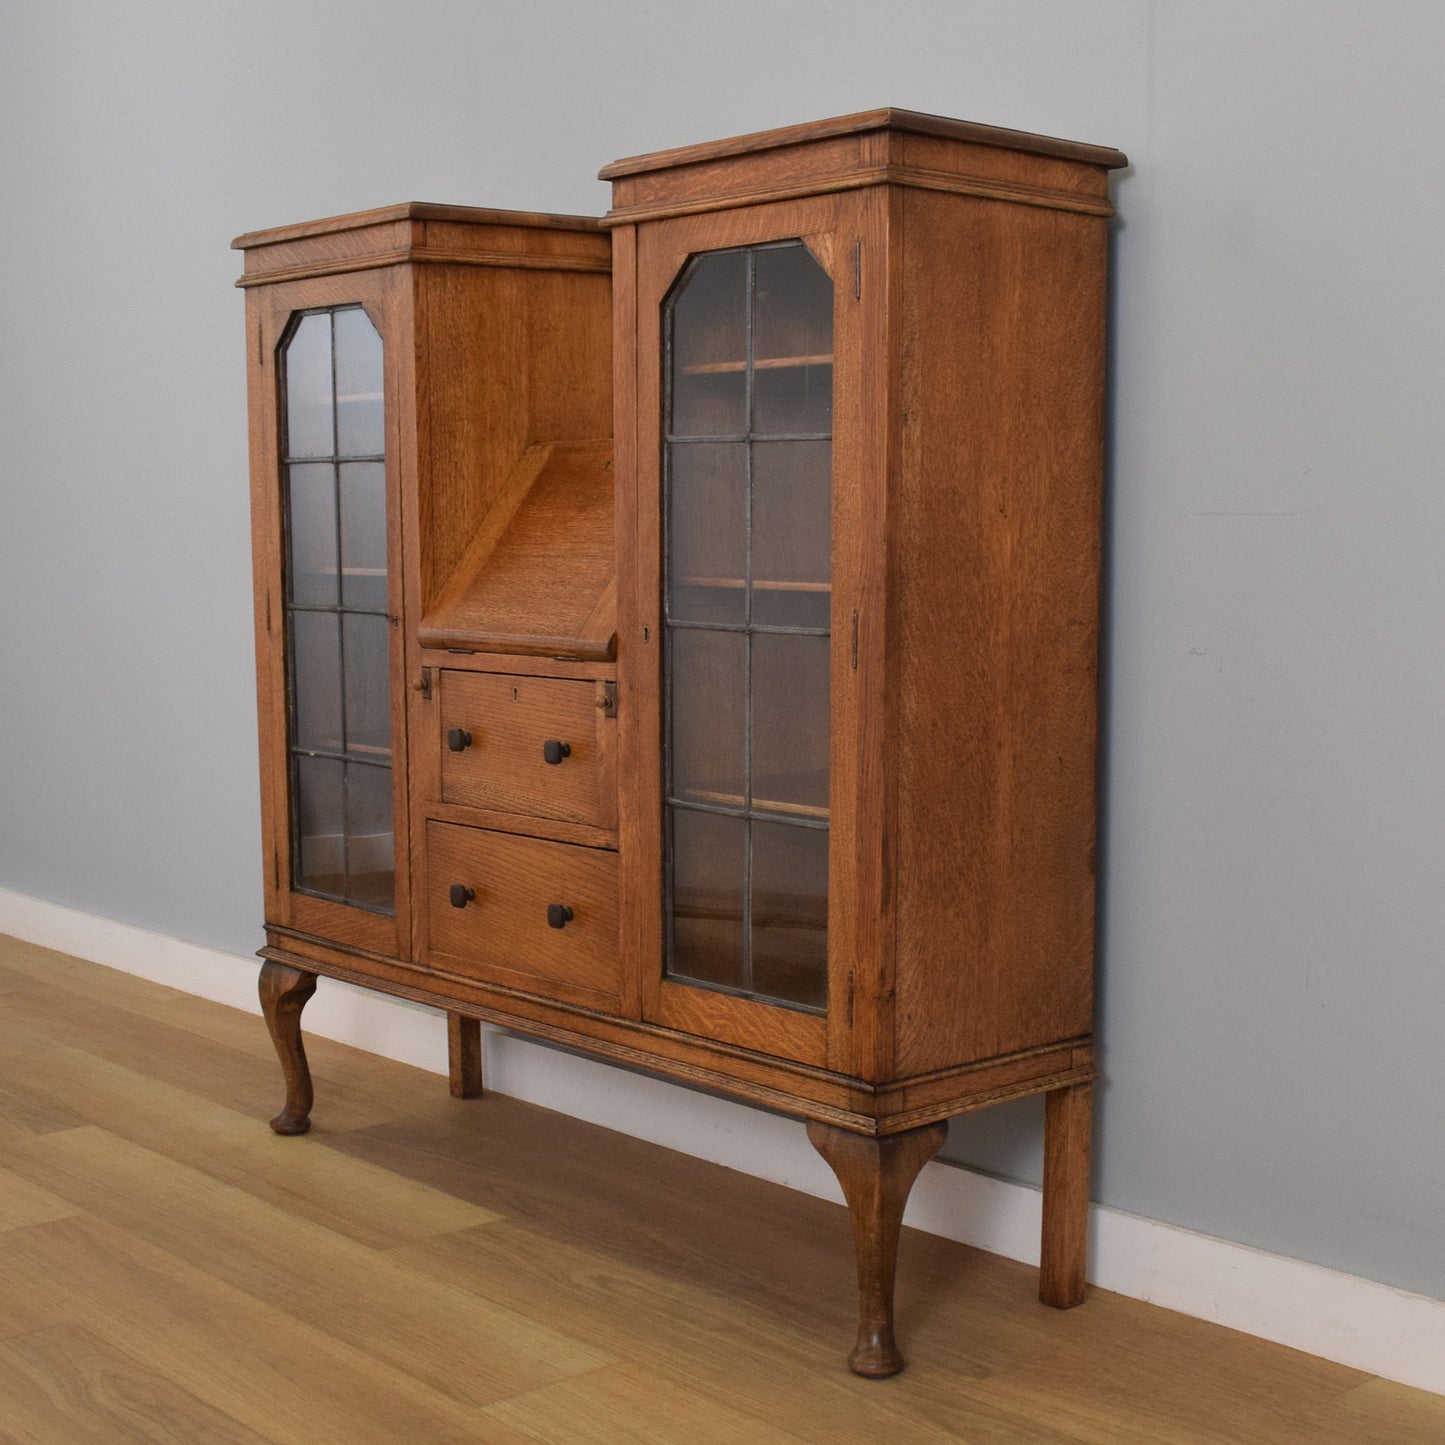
x=337, y=628
x=748, y=503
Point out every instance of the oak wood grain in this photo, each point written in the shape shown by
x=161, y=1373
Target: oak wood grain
x=863, y=122
x=419, y=233
x=996, y=549
x=1068, y=1119
x=890, y=148
x=539, y=572
x=876, y=1176
x=502, y=722
x=284, y=992
x=503, y=926
x=464, y=1056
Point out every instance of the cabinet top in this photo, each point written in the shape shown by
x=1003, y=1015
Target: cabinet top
x=418, y=231
x=887, y=118
x=873, y=147
x=414, y=211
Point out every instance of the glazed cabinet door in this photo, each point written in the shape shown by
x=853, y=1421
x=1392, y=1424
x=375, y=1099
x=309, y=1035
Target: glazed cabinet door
x=740, y=603
x=325, y=428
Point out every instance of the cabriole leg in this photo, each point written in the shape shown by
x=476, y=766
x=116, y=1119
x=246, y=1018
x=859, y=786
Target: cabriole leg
x=876, y=1175
x=284, y=992
x=1068, y=1114
x=464, y=1056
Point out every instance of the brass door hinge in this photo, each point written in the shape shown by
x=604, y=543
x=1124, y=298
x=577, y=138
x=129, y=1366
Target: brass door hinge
x=423, y=684
x=609, y=699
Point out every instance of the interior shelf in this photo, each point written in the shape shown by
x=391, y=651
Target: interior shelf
x=539, y=581
x=335, y=748
x=759, y=585
x=760, y=363
x=759, y=805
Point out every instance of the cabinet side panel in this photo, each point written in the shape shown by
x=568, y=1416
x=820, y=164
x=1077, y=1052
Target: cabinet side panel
x=996, y=577
x=267, y=566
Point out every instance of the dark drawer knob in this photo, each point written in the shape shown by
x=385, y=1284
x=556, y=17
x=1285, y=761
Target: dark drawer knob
x=461, y=895
x=558, y=915
x=554, y=752
x=459, y=739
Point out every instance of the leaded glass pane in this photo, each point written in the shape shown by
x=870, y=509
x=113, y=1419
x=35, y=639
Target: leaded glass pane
x=338, y=630
x=788, y=753
x=366, y=641
x=748, y=591
x=363, y=535
x=790, y=913
x=709, y=678
x=709, y=857
x=792, y=533
x=310, y=416
x=311, y=532
x=359, y=416
x=370, y=847
x=320, y=824
x=707, y=532
x=316, y=681
x=709, y=349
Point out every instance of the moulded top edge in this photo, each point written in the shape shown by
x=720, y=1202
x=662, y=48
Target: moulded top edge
x=888, y=118
x=415, y=211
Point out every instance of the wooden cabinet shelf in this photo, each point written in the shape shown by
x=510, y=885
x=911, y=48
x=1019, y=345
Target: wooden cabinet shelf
x=736, y=801
x=760, y=584
x=760, y=363
x=755, y=747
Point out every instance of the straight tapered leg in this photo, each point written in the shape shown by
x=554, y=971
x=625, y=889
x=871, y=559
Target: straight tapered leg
x=877, y=1175
x=284, y=992
x=1068, y=1118
x=464, y=1056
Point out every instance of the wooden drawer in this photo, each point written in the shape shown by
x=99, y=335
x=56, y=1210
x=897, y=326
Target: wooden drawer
x=494, y=732
x=502, y=933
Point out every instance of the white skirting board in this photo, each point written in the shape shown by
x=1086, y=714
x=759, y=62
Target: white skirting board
x=1340, y=1317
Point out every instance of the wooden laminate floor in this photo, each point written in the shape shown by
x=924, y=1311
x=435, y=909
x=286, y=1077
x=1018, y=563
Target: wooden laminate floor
x=425, y=1270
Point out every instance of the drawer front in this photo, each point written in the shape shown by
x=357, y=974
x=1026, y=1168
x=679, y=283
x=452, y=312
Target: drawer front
x=499, y=731
x=502, y=932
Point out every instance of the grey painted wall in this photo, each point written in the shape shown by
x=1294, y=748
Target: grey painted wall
x=1273, y=909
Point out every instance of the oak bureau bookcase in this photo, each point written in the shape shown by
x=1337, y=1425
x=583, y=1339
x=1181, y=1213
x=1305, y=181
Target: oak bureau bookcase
x=791, y=795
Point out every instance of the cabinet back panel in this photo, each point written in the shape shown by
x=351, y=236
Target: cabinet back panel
x=996, y=557
x=472, y=407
